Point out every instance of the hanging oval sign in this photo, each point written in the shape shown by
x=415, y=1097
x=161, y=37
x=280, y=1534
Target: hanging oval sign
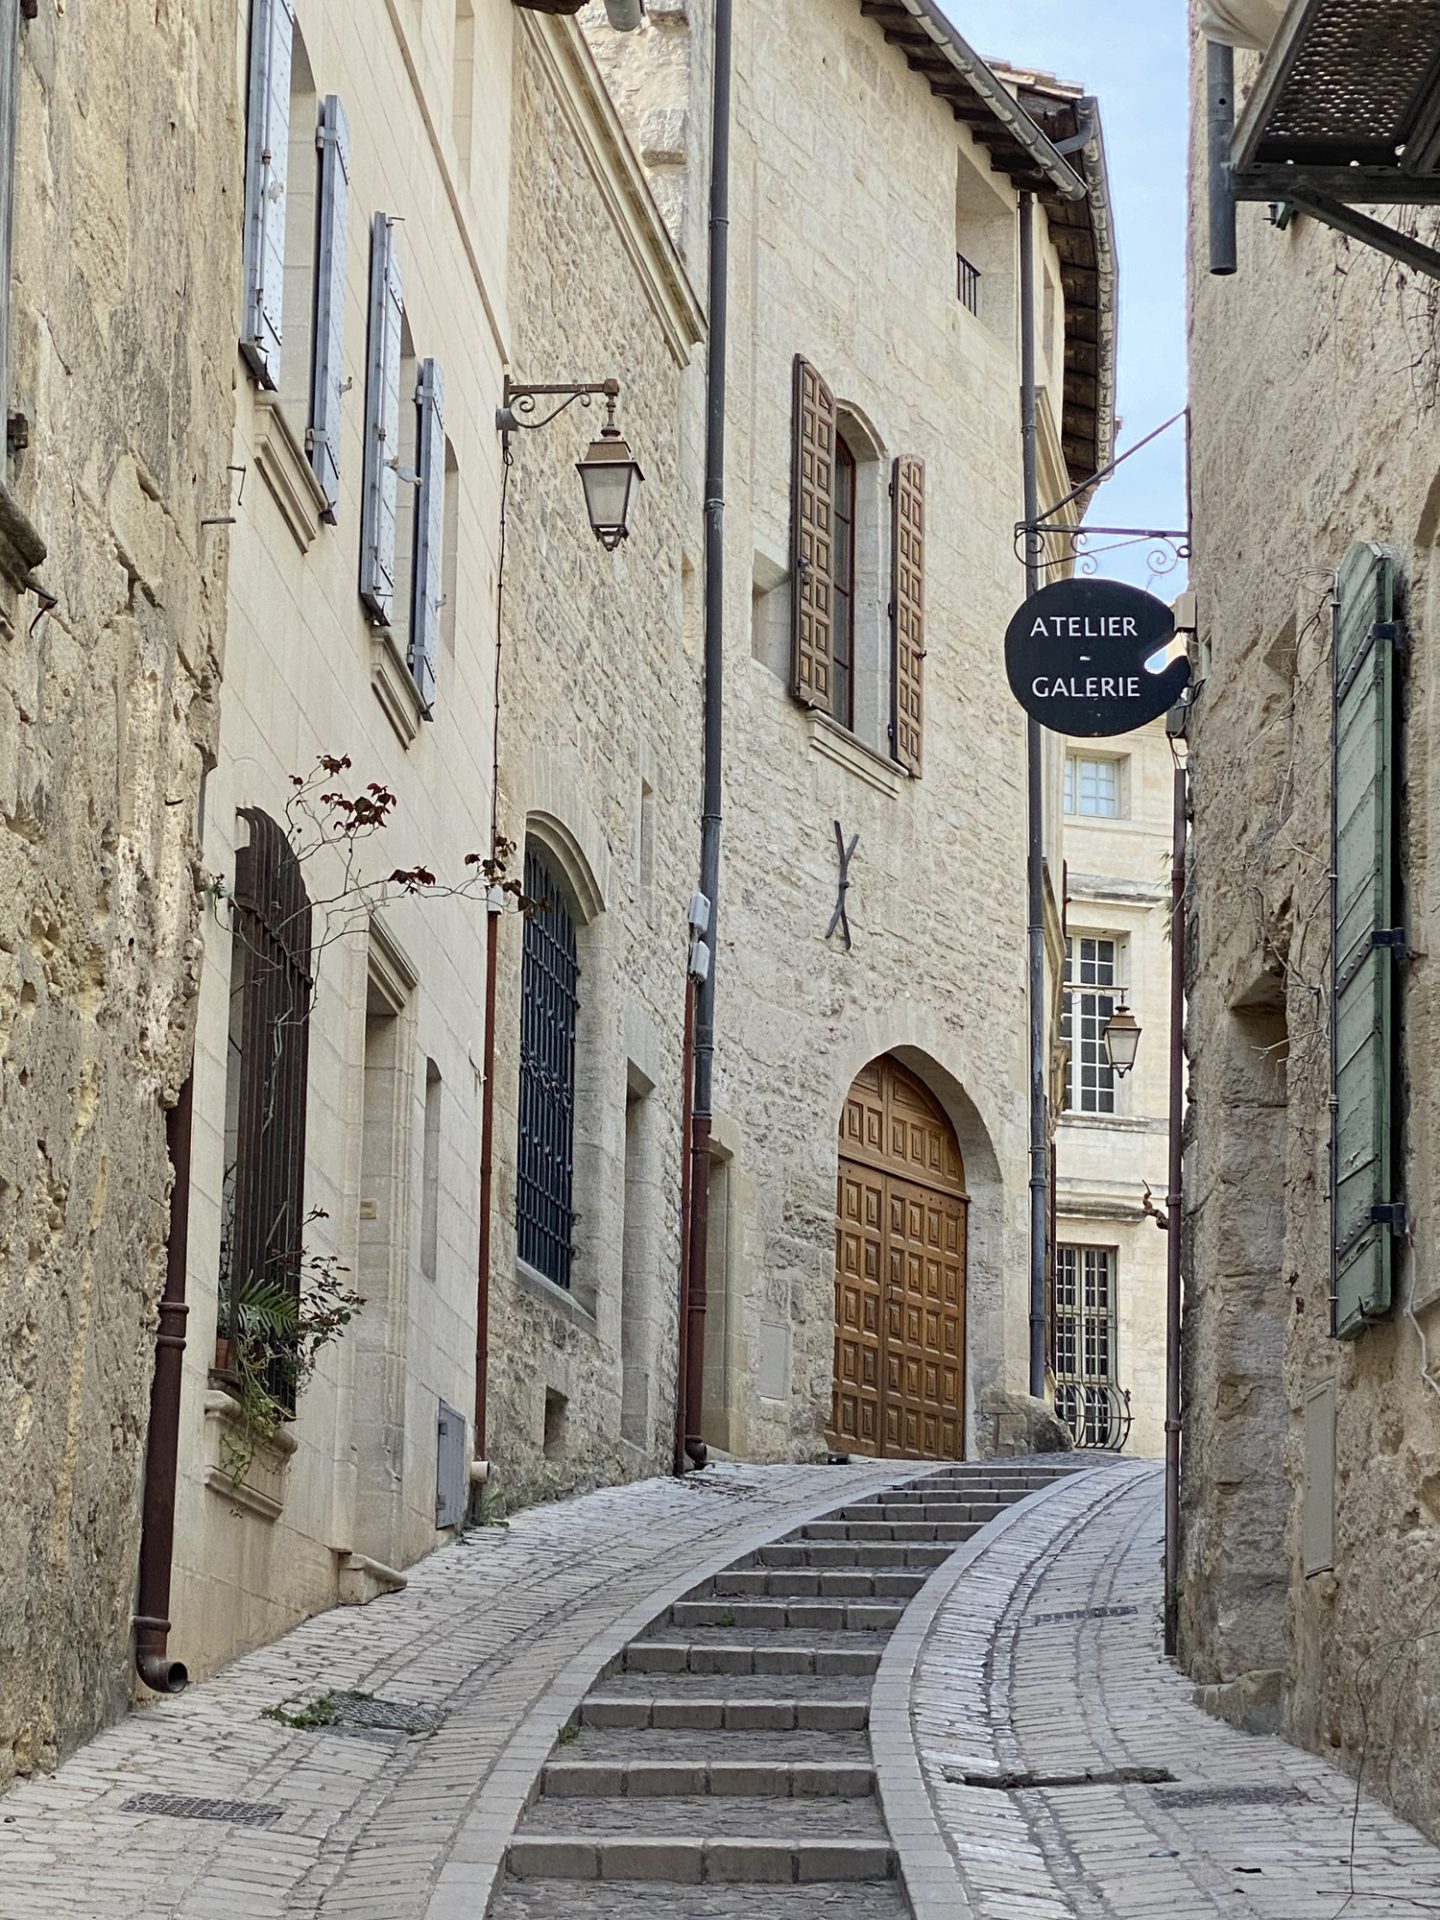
x=1077, y=652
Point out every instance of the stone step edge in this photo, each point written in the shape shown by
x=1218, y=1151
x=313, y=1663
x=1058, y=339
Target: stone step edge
x=672, y=1713
x=830, y=1615
x=719, y=1657
x=685, y=1860
x=666, y=1779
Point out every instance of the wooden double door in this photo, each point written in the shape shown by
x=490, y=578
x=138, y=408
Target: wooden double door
x=900, y=1246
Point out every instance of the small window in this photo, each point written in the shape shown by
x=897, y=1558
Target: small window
x=430, y=1173
x=462, y=108
x=968, y=284
x=1086, y=1390
x=842, y=682
x=1095, y=787
x=1092, y=980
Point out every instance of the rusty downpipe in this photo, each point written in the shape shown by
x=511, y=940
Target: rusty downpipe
x=162, y=1445
x=493, y=907
x=1174, y=1207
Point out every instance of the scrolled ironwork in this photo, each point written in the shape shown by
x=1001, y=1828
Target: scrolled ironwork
x=1097, y=1412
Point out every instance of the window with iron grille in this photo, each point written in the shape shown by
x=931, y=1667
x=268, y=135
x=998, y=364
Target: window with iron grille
x=1095, y=787
x=1085, y=1357
x=967, y=284
x=549, y=1005
x=1091, y=979
x=262, y=1247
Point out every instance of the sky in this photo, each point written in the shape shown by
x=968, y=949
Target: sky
x=1132, y=55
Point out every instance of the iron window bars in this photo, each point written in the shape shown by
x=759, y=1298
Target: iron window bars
x=549, y=1007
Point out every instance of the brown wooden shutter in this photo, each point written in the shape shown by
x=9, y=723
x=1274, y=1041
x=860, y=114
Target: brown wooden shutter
x=907, y=609
x=812, y=559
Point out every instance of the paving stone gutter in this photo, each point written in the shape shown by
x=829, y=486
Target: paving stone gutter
x=929, y=1869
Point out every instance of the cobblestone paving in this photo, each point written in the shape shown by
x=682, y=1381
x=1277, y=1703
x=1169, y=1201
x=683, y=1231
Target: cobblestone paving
x=365, y=1826
x=1022, y=1674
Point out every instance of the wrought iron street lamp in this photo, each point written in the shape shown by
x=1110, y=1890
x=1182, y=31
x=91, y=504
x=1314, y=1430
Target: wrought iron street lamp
x=1122, y=1038
x=609, y=473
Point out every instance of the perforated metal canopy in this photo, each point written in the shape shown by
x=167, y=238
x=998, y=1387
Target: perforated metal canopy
x=1349, y=94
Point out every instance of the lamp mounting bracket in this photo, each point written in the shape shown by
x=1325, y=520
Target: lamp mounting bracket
x=521, y=397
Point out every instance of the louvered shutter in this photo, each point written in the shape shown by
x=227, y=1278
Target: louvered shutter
x=1364, y=1199
x=382, y=423
x=907, y=609
x=812, y=560
x=428, y=588
x=328, y=374
x=267, y=151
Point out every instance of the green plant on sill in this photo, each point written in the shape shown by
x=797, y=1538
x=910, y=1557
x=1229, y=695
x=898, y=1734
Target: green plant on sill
x=280, y=1332
x=320, y=1712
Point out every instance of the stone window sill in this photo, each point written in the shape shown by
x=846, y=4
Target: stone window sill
x=530, y=1280
x=262, y=1491
x=836, y=743
x=280, y=457
x=395, y=686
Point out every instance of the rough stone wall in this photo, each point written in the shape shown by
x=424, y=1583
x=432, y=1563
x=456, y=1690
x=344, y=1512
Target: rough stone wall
x=126, y=256
x=1315, y=376
x=851, y=188
x=600, y=746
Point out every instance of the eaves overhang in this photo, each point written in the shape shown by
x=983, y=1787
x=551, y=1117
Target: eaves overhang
x=957, y=75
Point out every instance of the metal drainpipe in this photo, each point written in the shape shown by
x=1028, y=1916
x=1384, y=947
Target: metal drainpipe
x=694, y=1332
x=1035, y=818
x=487, y=1163
x=1174, y=1200
x=687, y=1123
x=162, y=1445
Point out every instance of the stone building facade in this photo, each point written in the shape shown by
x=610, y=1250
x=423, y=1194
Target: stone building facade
x=1311, y=1547
x=875, y=337
x=1112, y=1140
x=343, y=1116
x=112, y=613
x=599, y=753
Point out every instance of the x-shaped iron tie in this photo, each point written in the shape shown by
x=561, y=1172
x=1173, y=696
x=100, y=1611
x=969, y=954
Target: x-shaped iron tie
x=840, y=918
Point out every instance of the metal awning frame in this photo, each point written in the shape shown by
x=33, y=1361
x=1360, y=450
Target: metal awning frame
x=1325, y=192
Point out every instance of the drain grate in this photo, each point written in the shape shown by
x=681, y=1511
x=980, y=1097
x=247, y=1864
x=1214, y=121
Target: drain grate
x=239, y=1813
x=1081, y=1613
x=363, y=1713
x=732, y=1489
x=1256, y=1796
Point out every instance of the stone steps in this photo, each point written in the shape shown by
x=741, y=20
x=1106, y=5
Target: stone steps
x=726, y=1652
x=749, y=1616
x=727, y=1747
x=831, y=1554
x=680, y=1777
x=818, y=1583
x=717, y=1900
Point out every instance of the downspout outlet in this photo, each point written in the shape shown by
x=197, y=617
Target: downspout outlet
x=154, y=1666
x=625, y=15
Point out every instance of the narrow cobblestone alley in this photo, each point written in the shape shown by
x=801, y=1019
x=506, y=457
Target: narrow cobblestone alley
x=991, y=1628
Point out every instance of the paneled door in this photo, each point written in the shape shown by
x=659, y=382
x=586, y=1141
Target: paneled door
x=899, y=1272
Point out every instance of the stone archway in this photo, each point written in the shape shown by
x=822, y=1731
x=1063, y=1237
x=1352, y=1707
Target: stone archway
x=900, y=1268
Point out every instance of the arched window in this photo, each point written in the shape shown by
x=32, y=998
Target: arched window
x=549, y=1005
x=270, y=994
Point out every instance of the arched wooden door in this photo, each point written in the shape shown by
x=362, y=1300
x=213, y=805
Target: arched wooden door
x=899, y=1273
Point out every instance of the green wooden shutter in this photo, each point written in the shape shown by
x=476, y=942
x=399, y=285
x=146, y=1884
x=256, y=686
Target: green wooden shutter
x=812, y=552
x=1365, y=1204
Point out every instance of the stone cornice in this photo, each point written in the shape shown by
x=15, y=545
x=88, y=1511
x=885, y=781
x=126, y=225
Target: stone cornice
x=570, y=68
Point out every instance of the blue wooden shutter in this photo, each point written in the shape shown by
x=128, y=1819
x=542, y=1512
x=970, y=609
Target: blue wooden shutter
x=428, y=585
x=1366, y=946
x=382, y=423
x=328, y=374
x=267, y=151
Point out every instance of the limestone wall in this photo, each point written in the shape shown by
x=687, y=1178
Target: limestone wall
x=1314, y=387
x=600, y=771
x=851, y=189
x=126, y=251
x=397, y=1023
